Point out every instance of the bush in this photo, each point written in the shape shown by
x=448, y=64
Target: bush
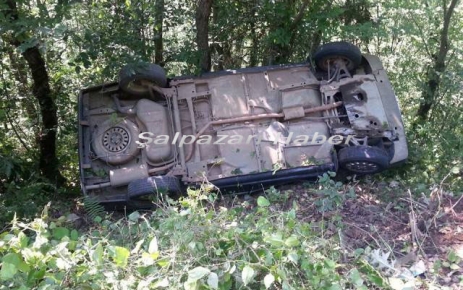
x=185, y=244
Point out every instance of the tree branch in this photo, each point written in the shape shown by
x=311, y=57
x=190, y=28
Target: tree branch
x=299, y=15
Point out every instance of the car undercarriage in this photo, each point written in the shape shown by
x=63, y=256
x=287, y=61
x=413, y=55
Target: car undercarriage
x=240, y=129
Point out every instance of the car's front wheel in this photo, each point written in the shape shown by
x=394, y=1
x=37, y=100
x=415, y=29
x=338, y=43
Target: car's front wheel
x=327, y=54
x=363, y=159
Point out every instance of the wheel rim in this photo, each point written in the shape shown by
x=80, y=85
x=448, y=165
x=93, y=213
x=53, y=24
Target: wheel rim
x=116, y=139
x=362, y=166
x=329, y=61
x=139, y=85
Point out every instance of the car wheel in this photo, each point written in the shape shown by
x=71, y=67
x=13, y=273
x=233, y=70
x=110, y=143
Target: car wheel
x=363, y=159
x=154, y=184
x=135, y=79
x=330, y=52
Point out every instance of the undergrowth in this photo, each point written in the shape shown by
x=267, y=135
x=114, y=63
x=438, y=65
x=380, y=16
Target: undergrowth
x=184, y=244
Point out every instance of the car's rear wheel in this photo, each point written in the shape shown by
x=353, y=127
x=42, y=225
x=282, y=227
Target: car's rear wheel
x=136, y=79
x=327, y=54
x=363, y=159
x=154, y=185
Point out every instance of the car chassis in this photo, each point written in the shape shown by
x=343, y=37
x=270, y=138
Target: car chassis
x=121, y=160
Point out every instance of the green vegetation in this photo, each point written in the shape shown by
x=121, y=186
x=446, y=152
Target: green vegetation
x=76, y=45
x=292, y=239
x=183, y=244
x=199, y=243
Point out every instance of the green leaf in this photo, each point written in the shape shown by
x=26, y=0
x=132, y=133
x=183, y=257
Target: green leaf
x=23, y=240
x=330, y=263
x=153, y=247
x=74, y=235
x=137, y=246
x=275, y=239
x=268, y=280
x=213, y=280
x=262, y=201
x=190, y=285
x=356, y=278
x=121, y=256
x=455, y=170
x=8, y=271
x=452, y=257
x=292, y=241
x=293, y=257
x=35, y=275
x=134, y=216
x=163, y=262
x=16, y=260
x=286, y=286
x=197, y=273
x=247, y=274
x=454, y=267
x=12, y=258
x=60, y=232
x=97, y=255
x=375, y=278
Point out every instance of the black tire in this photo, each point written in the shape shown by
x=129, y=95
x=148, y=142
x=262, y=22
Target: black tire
x=154, y=185
x=133, y=78
x=363, y=159
x=333, y=50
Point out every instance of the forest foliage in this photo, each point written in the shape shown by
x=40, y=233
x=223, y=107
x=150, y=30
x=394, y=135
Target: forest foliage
x=50, y=49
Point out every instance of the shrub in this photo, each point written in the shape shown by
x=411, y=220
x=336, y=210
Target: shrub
x=185, y=244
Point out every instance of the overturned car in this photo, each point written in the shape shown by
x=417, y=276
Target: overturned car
x=240, y=130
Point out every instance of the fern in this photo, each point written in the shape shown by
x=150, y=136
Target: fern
x=93, y=208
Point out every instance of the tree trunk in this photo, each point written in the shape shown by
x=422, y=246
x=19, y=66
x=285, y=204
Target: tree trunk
x=48, y=162
x=430, y=91
x=203, y=11
x=158, y=29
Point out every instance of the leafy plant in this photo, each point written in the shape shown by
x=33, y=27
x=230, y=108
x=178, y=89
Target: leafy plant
x=331, y=193
x=93, y=208
x=181, y=245
x=275, y=195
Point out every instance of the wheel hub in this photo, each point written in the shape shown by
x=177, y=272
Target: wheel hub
x=338, y=68
x=116, y=139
